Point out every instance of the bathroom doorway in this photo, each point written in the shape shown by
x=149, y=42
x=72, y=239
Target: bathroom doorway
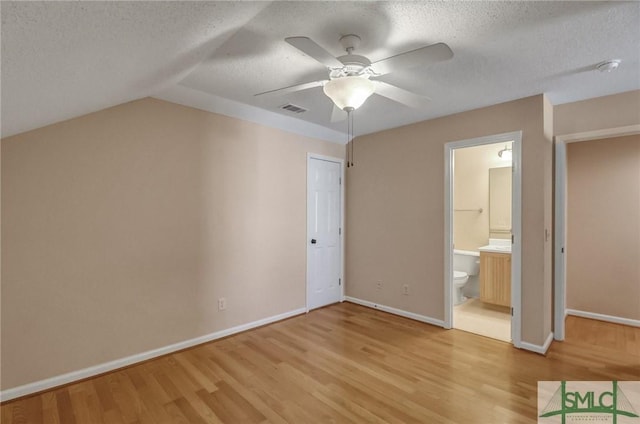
x=482, y=236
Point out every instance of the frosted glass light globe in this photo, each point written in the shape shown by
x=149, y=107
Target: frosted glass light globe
x=349, y=92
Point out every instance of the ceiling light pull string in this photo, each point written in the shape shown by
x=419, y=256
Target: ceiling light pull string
x=350, y=135
x=353, y=139
x=348, y=141
x=349, y=111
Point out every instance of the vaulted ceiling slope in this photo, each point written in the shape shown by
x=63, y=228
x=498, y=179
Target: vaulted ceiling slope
x=65, y=59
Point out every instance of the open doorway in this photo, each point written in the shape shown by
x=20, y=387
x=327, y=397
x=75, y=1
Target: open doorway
x=482, y=236
x=600, y=218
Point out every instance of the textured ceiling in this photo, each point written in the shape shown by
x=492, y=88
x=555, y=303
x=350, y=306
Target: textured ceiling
x=65, y=59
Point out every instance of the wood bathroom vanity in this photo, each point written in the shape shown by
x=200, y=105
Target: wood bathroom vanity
x=495, y=278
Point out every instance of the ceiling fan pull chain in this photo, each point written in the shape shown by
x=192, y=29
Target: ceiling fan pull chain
x=348, y=165
x=349, y=137
x=352, y=139
x=348, y=142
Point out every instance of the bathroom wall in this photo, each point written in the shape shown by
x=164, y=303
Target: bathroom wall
x=471, y=191
x=122, y=228
x=603, y=231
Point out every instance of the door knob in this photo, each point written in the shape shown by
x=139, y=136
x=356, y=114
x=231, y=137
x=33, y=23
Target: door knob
x=313, y=241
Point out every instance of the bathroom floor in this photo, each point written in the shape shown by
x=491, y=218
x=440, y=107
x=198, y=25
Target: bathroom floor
x=484, y=319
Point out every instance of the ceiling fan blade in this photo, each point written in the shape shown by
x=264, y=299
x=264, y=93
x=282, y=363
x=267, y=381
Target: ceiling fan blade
x=418, y=57
x=338, y=114
x=310, y=48
x=400, y=95
x=292, y=88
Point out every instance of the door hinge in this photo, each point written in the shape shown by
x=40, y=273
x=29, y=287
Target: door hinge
x=562, y=250
x=339, y=281
x=512, y=311
x=340, y=180
x=512, y=239
x=339, y=231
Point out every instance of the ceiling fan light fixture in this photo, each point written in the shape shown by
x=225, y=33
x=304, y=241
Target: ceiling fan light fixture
x=349, y=92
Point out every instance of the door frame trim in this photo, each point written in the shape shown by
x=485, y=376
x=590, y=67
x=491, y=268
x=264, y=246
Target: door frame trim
x=560, y=215
x=316, y=156
x=516, y=224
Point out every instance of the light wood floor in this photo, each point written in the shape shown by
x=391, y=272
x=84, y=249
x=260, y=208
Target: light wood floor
x=341, y=364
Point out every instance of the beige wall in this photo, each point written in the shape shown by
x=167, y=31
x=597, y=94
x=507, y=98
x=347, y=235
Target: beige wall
x=603, y=231
x=618, y=110
x=471, y=191
x=122, y=228
x=602, y=113
x=395, y=213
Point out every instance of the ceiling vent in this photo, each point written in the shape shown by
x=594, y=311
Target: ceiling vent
x=293, y=108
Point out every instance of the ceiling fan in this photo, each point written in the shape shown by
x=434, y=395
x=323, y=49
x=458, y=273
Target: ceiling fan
x=352, y=77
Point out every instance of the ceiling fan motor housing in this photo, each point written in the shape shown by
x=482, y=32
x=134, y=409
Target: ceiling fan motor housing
x=350, y=42
x=353, y=65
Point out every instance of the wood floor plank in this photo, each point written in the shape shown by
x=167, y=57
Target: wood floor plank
x=113, y=417
x=342, y=364
x=222, y=406
x=177, y=417
x=33, y=410
x=128, y=399
x=188, y=411
x=104, y=394
x=81, y=407
x=8, y=413
x=65, y=408
x=198, y=375
x=49, y=409
x=247, y=408
x=200, y=408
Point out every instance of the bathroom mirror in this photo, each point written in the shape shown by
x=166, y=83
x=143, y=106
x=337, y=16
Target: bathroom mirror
x=500, y=202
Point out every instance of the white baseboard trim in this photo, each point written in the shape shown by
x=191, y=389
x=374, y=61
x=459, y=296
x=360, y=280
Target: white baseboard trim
x=542, y=350
x=39, y=386
x=400, y=312
x=602, y=317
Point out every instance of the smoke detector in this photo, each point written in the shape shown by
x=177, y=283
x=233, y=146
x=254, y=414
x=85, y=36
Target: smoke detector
x=608, y=65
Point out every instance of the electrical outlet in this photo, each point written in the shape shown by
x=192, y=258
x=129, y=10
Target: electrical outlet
x=379, y=285
x=405, y=289
x=222, y=303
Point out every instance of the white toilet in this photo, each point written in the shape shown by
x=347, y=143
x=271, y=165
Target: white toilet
x=460, y=278
x=465, y=264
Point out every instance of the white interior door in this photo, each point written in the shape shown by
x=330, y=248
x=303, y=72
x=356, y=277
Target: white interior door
x=324, y=258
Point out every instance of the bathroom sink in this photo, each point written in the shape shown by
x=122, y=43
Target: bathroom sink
x=495, y=248
x=502, y=248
